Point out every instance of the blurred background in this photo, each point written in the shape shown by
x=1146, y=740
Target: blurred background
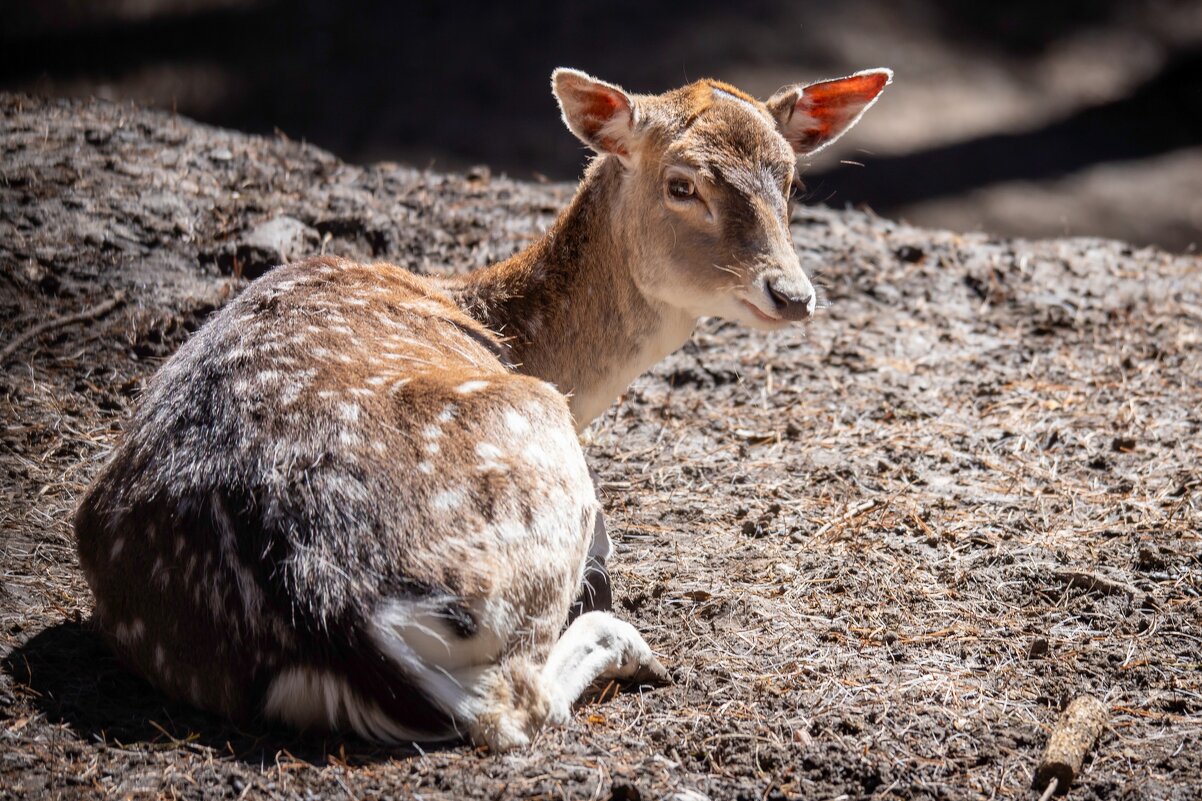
x=1029, y=117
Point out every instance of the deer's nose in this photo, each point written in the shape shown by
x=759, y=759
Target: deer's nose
x=793, y=302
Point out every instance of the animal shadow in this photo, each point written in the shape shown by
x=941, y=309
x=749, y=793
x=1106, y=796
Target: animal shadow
x=72, y=677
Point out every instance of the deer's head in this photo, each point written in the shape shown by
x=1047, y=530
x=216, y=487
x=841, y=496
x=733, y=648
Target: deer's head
x=707, y=175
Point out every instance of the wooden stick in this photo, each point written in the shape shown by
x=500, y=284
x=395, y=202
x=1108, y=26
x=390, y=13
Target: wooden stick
x=1074, y=734
x=1050, y=789
x=853, y=512
x=99, y=310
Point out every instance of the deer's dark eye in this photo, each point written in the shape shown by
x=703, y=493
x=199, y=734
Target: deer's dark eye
x=796, y=188
x=681, y=188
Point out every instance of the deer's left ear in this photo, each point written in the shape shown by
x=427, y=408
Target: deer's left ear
x=599, y=113
x=812, y=117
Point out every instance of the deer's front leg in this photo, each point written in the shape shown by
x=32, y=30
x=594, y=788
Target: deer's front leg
x=596, y=646
x=596, y=593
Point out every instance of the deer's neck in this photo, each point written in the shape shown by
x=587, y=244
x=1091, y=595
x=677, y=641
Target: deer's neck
x=568, y=306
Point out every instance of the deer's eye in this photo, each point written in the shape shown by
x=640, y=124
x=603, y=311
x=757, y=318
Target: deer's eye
x=796, y=187
x=681, y=188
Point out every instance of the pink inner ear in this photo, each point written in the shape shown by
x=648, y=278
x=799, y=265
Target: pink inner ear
x=832, y=105
x=858, y=89
x=597, y=107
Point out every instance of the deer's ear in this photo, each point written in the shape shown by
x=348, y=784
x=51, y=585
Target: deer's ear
x=812, y=117
x=601, y=114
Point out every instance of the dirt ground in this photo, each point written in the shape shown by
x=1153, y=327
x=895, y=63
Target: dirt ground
x=879, y=555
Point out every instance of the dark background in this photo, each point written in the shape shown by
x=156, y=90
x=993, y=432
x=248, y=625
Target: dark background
x=1028, y=117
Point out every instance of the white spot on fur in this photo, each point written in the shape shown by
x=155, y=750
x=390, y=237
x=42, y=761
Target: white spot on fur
x=427, y=307
x=518, y=424
x=349, y=412
x=362, y=392
x=432, y=447
x=431, y=432
x=468, y=387
x=290, y=393
x=400, y=382
x=321, y=353
x=425, y=467
x=378, y=446
x=510, y=530
x=448, y=500
x=536, y=454
x=130, y=633
x=377, y=380
x=348, y=439
x=490, y=458
x=158, y=573
x=447, y=414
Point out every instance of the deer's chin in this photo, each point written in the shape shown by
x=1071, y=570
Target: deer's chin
x=753, y=316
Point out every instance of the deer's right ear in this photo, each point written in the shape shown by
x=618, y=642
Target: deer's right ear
x=599, y=113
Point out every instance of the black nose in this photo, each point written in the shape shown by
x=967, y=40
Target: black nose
x=791, y=308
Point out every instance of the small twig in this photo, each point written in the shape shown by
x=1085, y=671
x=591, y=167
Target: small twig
x=1095, y=582
x=1050, y=789
x=99, y=310
x=853, y=512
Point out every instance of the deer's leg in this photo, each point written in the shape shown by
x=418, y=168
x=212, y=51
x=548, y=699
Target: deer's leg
x=596, y=646
x=503, y=701
x=496, y=700
x=596, y=593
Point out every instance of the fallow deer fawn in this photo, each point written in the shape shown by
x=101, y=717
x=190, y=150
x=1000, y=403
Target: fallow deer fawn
x=355, y=499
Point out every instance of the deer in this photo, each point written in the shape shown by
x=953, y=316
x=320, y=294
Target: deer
x=355, y=499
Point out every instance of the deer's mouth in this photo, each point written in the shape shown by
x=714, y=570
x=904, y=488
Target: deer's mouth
x=761, y=314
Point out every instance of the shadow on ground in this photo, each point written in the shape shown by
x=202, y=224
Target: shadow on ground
x=74, y=679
